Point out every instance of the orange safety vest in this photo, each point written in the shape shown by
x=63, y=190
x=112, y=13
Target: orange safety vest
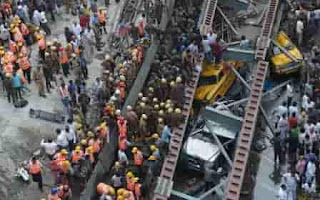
x=102, y=17
x=64, y=168
x=42, y=44
x=24, y=29
x=130, y=184
x=137, y=189
x=18, y=36
x=35, y=168
x=122, y=128
x=122, y=144
x=12, y=46
x=76, y=156
x=60, y=158
x=138, y=158
x=24, y=51
x=24, y=63
x=64, y=57
x=103, y=132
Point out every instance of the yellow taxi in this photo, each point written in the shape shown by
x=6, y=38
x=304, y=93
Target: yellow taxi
x=215, y=81
x=281, y=63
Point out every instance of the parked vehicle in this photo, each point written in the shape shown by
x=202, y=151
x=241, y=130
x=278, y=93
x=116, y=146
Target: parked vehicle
x=281, y=62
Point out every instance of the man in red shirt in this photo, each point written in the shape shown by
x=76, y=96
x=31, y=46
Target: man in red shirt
x=293, y=120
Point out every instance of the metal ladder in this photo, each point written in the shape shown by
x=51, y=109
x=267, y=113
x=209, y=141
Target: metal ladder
x=165, y=183
x=248, y=127
x=209, y=16
x=264, y=39
x=246, y=134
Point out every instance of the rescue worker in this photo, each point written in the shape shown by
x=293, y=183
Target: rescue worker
x=133, y=121
x=84, y=101
x=9, y=88
x=35, y=171
x=143, y=130
x=177, y=92
x=64, y=61
x=23, y=49
x=177, y=117
x=122, y=125
x=137, y=188
x=130, y=181
x=102, y=17
x=38, y=77
x=137, y=159
x=42, y=46
x=47, y=71
x=25, y=65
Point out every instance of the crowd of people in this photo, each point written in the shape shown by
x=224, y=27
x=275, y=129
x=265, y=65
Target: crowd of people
x=143, y=131
x=296, y=140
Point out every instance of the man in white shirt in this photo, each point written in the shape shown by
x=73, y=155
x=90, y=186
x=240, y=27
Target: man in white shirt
x=299, y=31
x=207, y=49
x=76, y=29
x=289, y=94
x=62, y=140
x=304, y=103
x=282, y=110
x=212, y=37
x=282, y=194
x=293, y=109
x=44, y=23
x=283, y=126
x=122, y=157
x=50, y=147
x=71, y=137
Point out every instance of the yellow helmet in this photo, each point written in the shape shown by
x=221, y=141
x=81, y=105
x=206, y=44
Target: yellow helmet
x=2, y=52
x=89, y=149
x=20, y=44
x=129, y=174
x=136, y=179
x=155, y=136
x=134, y=150
x=66, y=163
x=152, y=157
x=153, y=148
x=90, y=134
x=120, y=198
x=20, y=55
x=83, y=142
x=12, y=26
x=120, y=66
x=111, y=191
x=1, y=48
x=37, y=28
x=78, y=148
x=120, y=191
x=63, y=151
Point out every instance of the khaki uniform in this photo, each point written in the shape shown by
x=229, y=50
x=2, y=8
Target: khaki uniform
x=38, y=77
x=143, y=131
